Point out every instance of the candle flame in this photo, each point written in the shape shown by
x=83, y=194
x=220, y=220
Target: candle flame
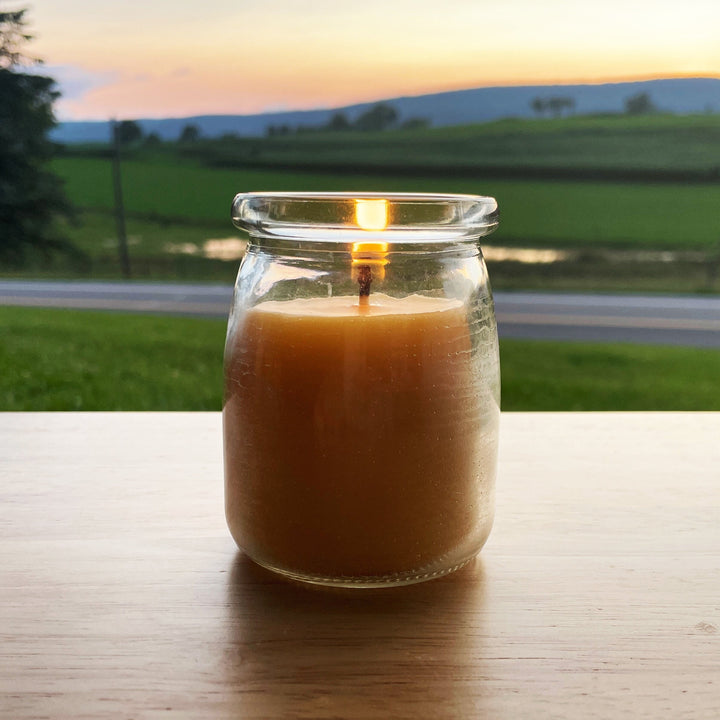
x=371, y=214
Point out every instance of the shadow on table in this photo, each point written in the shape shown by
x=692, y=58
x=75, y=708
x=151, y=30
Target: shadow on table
x=297, y=650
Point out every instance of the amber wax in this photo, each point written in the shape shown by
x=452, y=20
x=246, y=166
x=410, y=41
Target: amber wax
x=360, y=442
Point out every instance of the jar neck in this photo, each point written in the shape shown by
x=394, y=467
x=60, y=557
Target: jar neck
x=335, y=250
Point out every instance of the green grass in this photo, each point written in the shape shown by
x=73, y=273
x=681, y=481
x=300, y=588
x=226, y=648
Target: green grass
x=96, y=233
x=70, y=360
x=185, y=197
x=540, y=375
x=533, y=212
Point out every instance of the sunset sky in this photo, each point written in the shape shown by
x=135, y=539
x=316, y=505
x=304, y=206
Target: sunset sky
x=156, y=58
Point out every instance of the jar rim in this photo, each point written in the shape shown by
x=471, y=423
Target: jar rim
x=387, y=217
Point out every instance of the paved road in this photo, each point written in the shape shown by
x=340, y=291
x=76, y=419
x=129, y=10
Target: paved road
x=658, y=320
x=665, y=320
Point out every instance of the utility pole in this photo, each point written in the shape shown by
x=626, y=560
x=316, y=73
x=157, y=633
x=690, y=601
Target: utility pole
x=119, y=205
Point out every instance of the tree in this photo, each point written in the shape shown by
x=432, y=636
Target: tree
x=152, y=140
x=378, y=117
x=639, y=104
x=12, y=39
x=338, y=123
x=31, y=197
x=128, y=132
x=189, y=134
x=556, y=105
x=538, y=105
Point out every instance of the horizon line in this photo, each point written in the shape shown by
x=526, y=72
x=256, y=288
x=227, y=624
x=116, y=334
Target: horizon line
x=551, y=83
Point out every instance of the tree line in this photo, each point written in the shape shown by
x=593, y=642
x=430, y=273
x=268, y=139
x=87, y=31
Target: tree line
x=554, y=106
x=381, y=116
x=129, y=132
x=557, y=105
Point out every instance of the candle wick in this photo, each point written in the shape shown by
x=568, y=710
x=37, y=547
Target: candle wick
x=364, y=279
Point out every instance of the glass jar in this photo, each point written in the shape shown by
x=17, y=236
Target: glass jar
x=362, y=386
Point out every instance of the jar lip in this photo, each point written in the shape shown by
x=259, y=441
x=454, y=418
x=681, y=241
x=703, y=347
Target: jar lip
x=343, y=216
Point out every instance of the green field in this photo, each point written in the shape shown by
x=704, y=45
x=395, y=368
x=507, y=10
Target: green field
x=657, y=143
x=69, y=360
x=178, y=196
x=533, y=212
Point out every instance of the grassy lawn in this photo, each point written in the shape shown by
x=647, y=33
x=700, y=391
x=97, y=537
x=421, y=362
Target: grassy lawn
x=540, y=375
x=69, y=360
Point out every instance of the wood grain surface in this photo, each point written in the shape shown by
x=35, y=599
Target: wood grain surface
x=123, y=596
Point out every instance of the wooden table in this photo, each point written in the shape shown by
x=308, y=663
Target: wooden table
x=123, y=596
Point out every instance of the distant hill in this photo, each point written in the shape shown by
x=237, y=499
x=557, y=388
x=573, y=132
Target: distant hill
x=460, y=107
